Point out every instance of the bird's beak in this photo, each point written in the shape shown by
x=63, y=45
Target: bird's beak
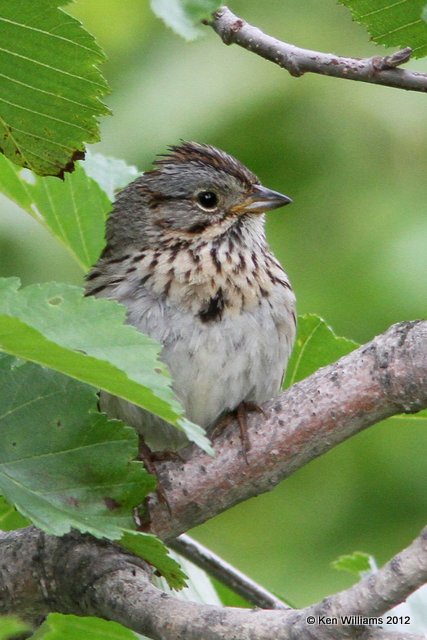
x=260, y=200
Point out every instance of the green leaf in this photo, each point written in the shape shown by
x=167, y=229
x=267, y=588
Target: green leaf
x=198, y=588
x=421, y=416
x=391, y=23
x=316, y=345
x=184, y=16
x=74, y=210
x=10, y=519
x=358, y=562
x=68, y=627
x=63, y=464
x=50, y=86
x=11, y=626
x=54, y=325
x=153, y=551
x=110, y=173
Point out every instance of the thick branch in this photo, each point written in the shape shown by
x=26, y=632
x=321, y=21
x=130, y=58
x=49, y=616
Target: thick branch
x=77, y=574
x=80, y=575
x=377, y=70
x=382, y=378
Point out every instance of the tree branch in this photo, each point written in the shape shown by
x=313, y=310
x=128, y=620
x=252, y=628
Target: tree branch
x=384, y=589
x=80, y=575
x=382, y=378
x=218, y=568
x=377, y=70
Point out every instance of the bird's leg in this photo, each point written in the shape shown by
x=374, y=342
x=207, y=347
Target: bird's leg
x=149, y=457
x=146, y=456
x=240, y=414
x=242, y=418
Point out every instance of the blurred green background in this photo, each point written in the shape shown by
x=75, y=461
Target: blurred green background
x=354, y=159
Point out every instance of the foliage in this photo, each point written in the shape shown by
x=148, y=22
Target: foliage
x=50, y=86
x=68, y=627
x=53, y=436
x=49, y=420
x=184, y=16
x=73, y=210
x=413, y=609
x=358, y=563
x=389, y=23
x=10, y=518
x=393, y=24
x=55, y=325
x=316, y=345
x=10, y=627
x=151, y=549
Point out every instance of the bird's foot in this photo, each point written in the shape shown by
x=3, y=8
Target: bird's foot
x=167, y=454
x=241, y=415
x=149, y=458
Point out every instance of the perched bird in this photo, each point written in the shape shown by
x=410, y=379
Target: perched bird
x=187, y=255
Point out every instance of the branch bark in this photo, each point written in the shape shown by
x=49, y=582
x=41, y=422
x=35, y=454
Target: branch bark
x=297, y=61
x=382, y=378
x=80, y=575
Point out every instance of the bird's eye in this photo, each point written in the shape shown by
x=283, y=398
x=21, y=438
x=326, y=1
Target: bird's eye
x=207, y=200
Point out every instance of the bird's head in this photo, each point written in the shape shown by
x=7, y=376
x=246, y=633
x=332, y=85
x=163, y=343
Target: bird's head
x=194, y=191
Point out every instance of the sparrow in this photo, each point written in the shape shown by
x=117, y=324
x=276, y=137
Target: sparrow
x=187, y=255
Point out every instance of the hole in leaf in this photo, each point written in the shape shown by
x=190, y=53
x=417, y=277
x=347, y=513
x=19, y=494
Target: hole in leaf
x=111, y=504
x=55, y=301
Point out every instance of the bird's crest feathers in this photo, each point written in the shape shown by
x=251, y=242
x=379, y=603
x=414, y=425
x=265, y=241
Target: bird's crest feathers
x=205, y=155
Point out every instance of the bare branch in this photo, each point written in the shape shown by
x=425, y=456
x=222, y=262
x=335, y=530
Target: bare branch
x=381, y=591
x=226, y=573
x=297, y=61
x=382, y=378
x=80, y=575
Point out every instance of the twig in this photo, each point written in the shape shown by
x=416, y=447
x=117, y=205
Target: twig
x=382, y=378
x=297, y=61
x=83, y=576
x=226, y=573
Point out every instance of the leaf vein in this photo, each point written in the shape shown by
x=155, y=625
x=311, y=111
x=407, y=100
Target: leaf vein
x=12, y=137
x=48, y=140
x=49, y=33
x=390, y=6
x=45, y=115
x=302, y=351
x=49, y=93
x=401, y=28
x=51, y=68
x=79, y=222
